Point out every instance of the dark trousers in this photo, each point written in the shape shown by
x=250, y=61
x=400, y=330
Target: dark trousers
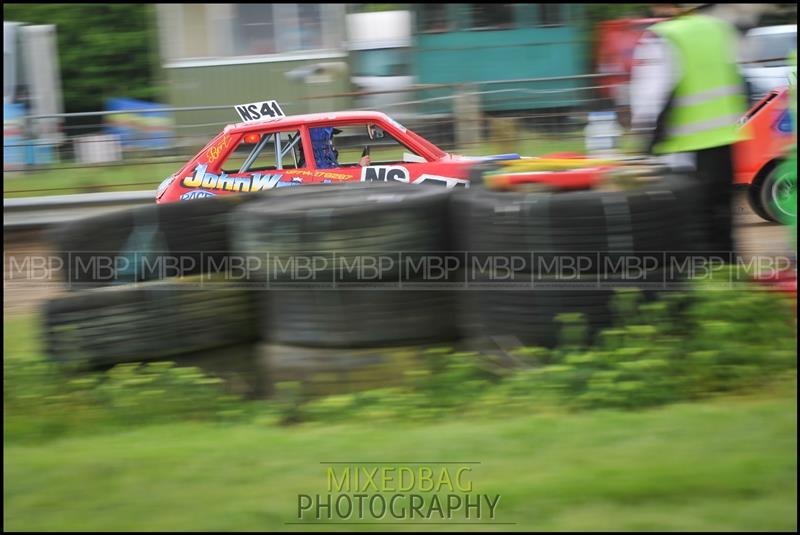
x=715, y=172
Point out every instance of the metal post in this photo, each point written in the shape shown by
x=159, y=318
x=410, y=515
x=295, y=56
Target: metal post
x=467, y=115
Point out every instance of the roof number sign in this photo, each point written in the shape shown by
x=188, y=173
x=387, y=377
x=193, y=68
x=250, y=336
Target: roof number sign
x=259, y=111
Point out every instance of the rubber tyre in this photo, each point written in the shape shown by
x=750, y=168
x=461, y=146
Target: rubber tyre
x=146, y=243
x=769, y=189
x=754, y=200
x=337, y=223
x=649, y=219
x=357, y=317
x=529, y=315
x=147, y=321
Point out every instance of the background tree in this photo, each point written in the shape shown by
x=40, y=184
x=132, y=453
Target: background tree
x=104, y=50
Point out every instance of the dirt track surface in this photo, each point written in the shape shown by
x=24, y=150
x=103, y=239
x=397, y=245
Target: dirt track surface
x=753, y=235
x=27, y=285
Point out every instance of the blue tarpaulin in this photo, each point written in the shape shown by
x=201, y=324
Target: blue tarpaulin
x=18, y=150
x=148, y=130
x=13, y=136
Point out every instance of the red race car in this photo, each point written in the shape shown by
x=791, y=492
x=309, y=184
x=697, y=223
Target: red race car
x=756, y=160
x=268, y=150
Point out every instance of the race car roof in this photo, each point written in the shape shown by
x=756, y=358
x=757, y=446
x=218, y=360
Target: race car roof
x=416, y=142
x=310, y=119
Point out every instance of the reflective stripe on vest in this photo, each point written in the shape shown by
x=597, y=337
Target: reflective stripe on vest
x=707, y=95
x=710, y=124
x=709, y=99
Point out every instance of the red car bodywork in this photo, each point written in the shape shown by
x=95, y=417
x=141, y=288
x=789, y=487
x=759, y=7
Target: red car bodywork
x=203, y=174
x=770, y=135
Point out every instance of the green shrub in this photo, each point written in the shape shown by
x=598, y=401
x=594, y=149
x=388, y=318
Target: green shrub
x=721, y=337
x=42, y=399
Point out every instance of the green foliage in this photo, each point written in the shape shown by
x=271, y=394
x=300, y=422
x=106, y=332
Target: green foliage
x=683, y=346
x=105, y=50
x=365, y=8
x=43, y=399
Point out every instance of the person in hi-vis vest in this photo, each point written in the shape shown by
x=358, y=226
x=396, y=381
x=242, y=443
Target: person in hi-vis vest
x=687, y=98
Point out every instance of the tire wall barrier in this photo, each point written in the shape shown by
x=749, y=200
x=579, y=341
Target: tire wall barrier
x=653, y=225
x=323, y=335
x=530, y=317
x=339, y=224
x=657, y=217
x=147, y=321
x=146, y=243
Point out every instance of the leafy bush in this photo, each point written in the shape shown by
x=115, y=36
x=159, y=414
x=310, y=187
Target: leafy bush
x=43, y=399
x=718, y=338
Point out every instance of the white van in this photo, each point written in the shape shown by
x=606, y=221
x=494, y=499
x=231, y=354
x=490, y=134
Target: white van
x=379, y=45
x=765, y=53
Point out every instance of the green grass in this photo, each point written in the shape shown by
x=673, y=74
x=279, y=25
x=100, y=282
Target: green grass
x=86, y=179
x=21, y=336
x=723, y=464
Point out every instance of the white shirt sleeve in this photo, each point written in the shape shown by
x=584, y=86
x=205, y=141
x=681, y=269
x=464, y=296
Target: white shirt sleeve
x=655, y=73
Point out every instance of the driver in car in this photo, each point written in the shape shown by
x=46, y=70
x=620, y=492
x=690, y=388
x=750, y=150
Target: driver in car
x=325, y=153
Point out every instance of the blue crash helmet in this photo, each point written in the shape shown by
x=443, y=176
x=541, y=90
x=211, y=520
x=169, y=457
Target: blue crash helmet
x=322, y=143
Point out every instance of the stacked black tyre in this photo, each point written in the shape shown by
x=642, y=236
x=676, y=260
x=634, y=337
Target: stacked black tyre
x=333, y=306
x=146, y=243
x=658, y=217
x=338, y=225
x=578, y=249
x=143, y=286
x=148, y=321
x=357, y=318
